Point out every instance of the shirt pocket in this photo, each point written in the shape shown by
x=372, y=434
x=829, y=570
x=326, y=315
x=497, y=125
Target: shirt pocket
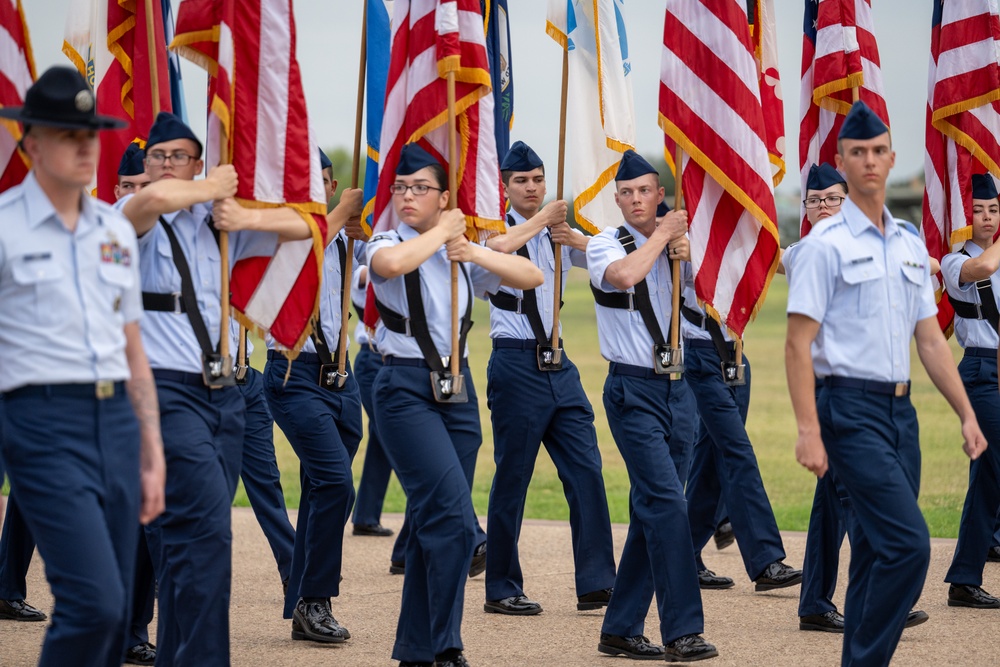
x=41, y=278
x=861, y=274
x=913, y=282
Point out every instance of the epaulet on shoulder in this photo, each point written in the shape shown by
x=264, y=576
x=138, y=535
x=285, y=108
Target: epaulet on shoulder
x=908, y=226
x=384, y=236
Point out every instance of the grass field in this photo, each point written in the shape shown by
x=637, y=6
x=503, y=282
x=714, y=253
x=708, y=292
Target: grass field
x=771, y=426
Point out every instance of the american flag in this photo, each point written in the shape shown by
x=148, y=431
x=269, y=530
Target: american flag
x=765, y=50
x=430, y=38
x=710, y=106
x=963, y=124
x=108, y=42
x=17, y=73
x=839, y=53
x=258, y=120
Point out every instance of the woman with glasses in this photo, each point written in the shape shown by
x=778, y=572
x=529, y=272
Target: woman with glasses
x=431, y=444
x=973, y=284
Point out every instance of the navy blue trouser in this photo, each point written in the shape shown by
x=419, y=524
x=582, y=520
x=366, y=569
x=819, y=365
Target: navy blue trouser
x=975, y=532
x=873, y=446
x=324, y=429
x=827, y=528
x=260, y=474
x=683, y=427
x=432, y=447
x=16, y=548
x=85, y=451
x=144, y=593
x=724, y=438
x=191, y=542
x=529, y=407
x=657, y=556
x=376, y=469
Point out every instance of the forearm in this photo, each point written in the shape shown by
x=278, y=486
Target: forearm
x=405, y=257
x=982, y=267
x=514, y=271
x=286, y=222
x=515, y=237
x=801, y=385
x=142, y=395
x=162, y=197
x=629, y=270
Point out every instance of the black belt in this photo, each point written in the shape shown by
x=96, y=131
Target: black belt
x=698, y=344
x=100, y=390
x=389, y=360
x=163, y=302
x=985, y=352
x=517, y=344
x=616, y=368
x=304, y=357
x=871, y=386
x=181, y=377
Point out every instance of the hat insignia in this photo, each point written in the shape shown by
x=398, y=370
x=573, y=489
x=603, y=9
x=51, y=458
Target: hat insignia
x=84, y=101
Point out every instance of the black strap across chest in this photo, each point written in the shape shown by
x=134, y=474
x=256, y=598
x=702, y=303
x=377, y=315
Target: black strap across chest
x=416, y=324
x=188, y=300
x=527, y=305
x=627, y=301
x=324, y=351
x=986, y=309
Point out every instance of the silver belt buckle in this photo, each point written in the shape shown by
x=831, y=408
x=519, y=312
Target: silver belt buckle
x=178, y=303
x=104, y=389
x=902, y=389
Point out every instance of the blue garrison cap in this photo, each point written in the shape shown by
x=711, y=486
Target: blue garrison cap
x=823, y=176
x=169, y=127
x=520, y=157
x=324, y=161
x=983, y=187
x=131, y=164
x=632, y=166
x=862, y=123
x=662, y=209
x=413, y=158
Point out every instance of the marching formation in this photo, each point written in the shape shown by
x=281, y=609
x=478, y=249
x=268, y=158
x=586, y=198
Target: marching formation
x=144, y=420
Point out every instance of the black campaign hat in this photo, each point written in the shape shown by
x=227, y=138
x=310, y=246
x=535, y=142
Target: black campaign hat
x=61, y=98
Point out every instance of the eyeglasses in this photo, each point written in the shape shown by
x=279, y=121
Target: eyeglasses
x=178, y=158
x=832, y=201
x=418, y=189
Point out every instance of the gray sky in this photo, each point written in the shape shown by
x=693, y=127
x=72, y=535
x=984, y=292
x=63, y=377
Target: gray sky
x=329, y=42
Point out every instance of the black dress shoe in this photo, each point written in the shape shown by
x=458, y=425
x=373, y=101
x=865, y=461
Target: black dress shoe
x=777, y=575
x=19, y=610
x=724, y=535
x=971, y=596
x=141, y=654
x=397, y=567
x=407, y=663
x=828, y=621
x=478, y=565
x=451, y=658
x=709, y=580
x=993, y=555
x=594, y=599
x=373, y=529
x=688, y=649
x=313, y=621
x=516, y=605
x=915, y=617
x=637, y=648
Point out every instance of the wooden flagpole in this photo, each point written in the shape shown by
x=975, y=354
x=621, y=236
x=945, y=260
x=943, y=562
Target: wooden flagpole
x=675, y=266
x=345, y=296
x=456, y=353
x=154, y=76
x=560, y=173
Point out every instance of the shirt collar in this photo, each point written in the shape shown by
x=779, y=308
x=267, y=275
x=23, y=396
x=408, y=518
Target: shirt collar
x=972, y=248
x=40, y=208
x=859, y=223
x=517, y=217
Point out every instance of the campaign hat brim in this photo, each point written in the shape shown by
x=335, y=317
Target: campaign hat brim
x=94, y=123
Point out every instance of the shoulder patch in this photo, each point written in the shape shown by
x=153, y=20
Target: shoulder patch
x=908, y=226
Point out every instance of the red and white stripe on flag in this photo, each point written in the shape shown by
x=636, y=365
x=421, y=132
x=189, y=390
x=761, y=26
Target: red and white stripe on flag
x=108, y=41
x=839, y=53
x=710, y=107
x=963, y=124
x=765, y=49
x=17, y=73
x=258, y=121
x=429, y=39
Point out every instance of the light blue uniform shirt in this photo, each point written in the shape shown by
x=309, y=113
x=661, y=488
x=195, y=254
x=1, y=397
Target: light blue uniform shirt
x=506, y=324
x=358, y=297
x=435, y=288
x=64, y=296
x=867, y=291
x=970, y=333
x=622, y=333
x=690, y=331
x=168, y=337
